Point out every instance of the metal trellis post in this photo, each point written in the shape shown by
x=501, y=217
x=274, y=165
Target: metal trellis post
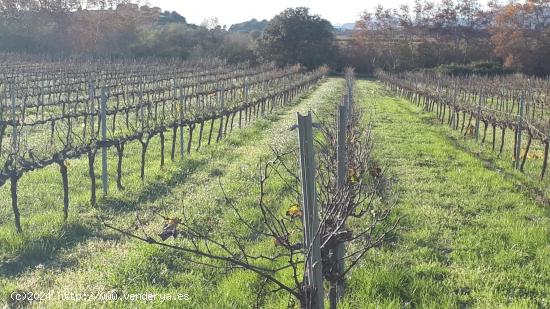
x=342, y=171
x=313, y=271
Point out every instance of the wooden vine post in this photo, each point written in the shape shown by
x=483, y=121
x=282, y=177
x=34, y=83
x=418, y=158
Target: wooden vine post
x=478, y=116
x=246, y=101
x=120, y=154
x=545, y=162
x=181, y=114
x=91, y=98
x=313, y=279
x=103, y=115
x=519, y=132
x=92, y=150
x=221, y=96
x=14, y=176
x=454, y=112
x=65, y=181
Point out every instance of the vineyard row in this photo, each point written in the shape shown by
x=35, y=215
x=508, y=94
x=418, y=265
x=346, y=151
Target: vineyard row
x=63, y=133
x=519, y=105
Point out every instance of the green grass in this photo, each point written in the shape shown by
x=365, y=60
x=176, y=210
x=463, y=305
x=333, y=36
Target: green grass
x=470, y=236
x=81, y=256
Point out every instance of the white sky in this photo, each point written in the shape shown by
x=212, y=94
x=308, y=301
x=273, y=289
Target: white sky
x=235, y=11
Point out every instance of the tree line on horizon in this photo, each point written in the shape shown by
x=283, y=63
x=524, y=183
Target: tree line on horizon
x=454, y=36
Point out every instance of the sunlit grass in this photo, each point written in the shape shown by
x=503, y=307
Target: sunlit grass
x=100, y=261
x=470, y=236
x=472, y=233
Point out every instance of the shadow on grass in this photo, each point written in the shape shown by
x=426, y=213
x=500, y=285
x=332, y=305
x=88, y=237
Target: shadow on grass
x=522, y=183
x=45, y=249
x=153, y=191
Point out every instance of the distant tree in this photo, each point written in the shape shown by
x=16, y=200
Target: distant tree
x=237, y=48
x=446, y=15
x=108, y=32
x=50, y=6
x=521, y=35
x=120, y=28
x=249, y=26
x=255, y=34
x=167, y=17
x=173, y=40
x=424, y=35
x=468, y=11
x=211, y=23
x=295, y=36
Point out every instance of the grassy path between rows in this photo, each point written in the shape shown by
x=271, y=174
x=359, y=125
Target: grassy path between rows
x=469, y=237
x=101, y=261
